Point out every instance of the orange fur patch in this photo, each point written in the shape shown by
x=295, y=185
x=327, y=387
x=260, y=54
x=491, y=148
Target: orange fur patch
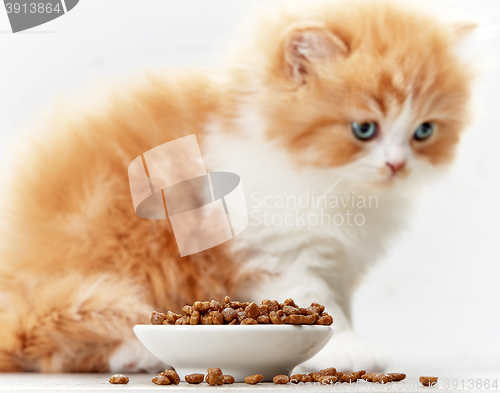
x=72, y=221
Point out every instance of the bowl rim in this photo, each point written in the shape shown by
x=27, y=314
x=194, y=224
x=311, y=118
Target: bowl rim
x=237, y=327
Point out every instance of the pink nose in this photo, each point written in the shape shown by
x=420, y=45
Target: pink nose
x=396, y=166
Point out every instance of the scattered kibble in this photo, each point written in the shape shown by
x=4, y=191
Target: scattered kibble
x=119, y=379
x=327, y=379
x=253, y=379
x=214, y=377
x=194, y=378
x=161, y=380
x=297, y=378
x=172, y=375
x=428, y=381
x=281, y=379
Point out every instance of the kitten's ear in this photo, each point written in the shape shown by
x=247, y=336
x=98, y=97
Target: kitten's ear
x=308, y=47
x=461, y=29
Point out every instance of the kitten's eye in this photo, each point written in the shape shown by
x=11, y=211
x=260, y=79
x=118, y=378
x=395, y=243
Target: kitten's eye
x=364, y=131
x=424, y=131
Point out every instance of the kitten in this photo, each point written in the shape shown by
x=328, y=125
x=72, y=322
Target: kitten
x=354, y=105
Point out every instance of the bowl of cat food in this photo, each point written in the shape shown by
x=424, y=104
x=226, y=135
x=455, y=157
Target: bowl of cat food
x=241, y=338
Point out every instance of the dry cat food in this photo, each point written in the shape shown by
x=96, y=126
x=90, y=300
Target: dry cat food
x=194, y=378
x=245, y=313
x=298, y=378
x=281, y=379
x=167, y=377
x=119, y=379
x=253, y=379
x=383, y=378
x=352, y=377
x=428, y=381
x=161, y=380
x=331, y=375
x=214, y=376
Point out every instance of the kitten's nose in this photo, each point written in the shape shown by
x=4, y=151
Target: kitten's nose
x=396, y=166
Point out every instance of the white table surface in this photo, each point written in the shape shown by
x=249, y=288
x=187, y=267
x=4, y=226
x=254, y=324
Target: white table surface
x=29, y=382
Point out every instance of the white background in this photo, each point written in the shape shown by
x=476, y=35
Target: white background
x=433, y=302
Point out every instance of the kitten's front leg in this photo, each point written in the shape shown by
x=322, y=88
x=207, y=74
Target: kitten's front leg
x=346, y=351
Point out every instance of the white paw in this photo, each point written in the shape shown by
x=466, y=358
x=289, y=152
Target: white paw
x=131, y=356
x=346, y=352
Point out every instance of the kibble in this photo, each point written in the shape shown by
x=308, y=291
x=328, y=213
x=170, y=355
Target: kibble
x=281, y=379
x=171, y=318
x=263, y=319
x=229, y=314
x=324, y=319
x=327, y=379
x=171, y=375
x=195, y=318
x=215, y=306
x=249, y=321
x=187, y=310
x=252, y=310
x=119, y=379
x=289, y=302
x=315, y=376
x=228, y=379
x=157, y=318
x=244, y=313
x=301, y=319
x=264, y=310
x=201, y=307
x=329, y=376
x=428, y=381
x=297, y=378
x=194, y=378
x=382, y=378
x=206, y=320
x=277, y=317
x=328, y=371
x=353, y=376
x=397, y=376
x=161, y=380
x=214, y=377
x=253, y=379
x=217, y=318
x=369, y=376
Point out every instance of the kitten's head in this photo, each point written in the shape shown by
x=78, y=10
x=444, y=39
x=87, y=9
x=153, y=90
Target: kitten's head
x=370, y=88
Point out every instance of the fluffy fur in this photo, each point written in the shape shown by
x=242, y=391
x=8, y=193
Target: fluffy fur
x=79, y=268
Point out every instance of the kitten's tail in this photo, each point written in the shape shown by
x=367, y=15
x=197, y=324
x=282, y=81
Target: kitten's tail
x=11, y=306
x=73, y=324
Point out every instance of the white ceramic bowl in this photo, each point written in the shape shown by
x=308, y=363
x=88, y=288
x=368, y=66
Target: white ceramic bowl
x=238, y=350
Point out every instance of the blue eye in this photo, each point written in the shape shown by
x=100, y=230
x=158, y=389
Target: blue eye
x=364, y=131
x=424, y=131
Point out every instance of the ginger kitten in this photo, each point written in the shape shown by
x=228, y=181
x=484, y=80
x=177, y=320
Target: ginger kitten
x=339, y=100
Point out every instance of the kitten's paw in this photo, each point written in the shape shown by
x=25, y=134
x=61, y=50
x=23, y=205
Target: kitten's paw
x=346, y=352
x=132, y=357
